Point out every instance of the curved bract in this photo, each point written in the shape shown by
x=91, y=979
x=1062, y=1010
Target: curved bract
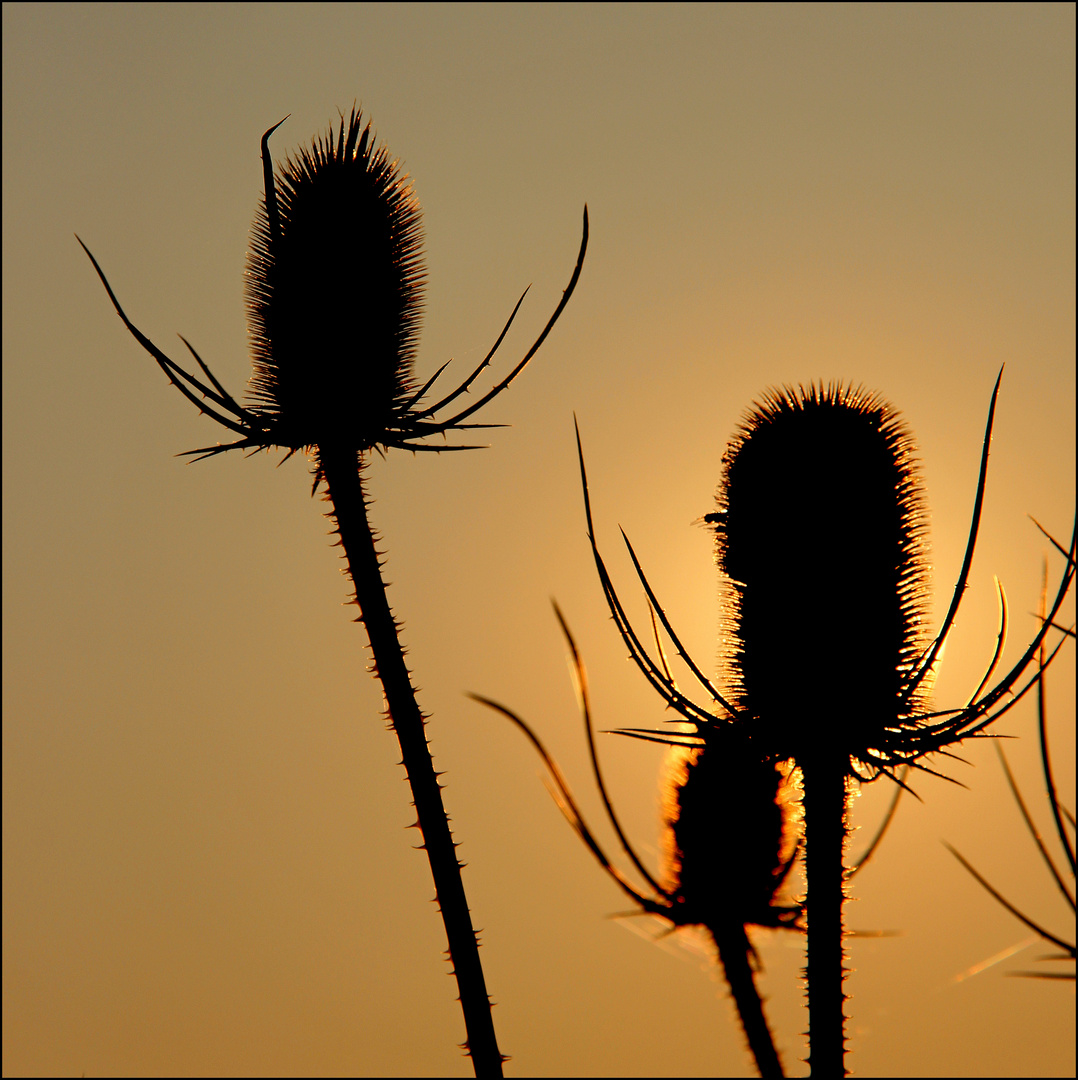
x=1062, y=820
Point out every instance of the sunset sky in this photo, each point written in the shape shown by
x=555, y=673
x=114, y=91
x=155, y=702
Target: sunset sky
x=206, y=868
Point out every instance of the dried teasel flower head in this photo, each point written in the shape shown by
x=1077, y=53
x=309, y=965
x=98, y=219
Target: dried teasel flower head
x=821, y=534
x=732, y=826
x=334, y=295
x=334, y=292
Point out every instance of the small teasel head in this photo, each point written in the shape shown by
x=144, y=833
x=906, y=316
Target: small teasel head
x=334, y=292
x=820, y=532
x=732, y=827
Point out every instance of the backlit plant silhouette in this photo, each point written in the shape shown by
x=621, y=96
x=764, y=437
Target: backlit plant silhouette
x=334, y=295
x=819, y=531
x=1061, y=819
x=721, y=878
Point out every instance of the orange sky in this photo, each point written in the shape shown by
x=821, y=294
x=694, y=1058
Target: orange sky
x=205, y=863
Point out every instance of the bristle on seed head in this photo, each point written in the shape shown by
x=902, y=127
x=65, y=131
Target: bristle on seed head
x=820, y=531
x=334, y=292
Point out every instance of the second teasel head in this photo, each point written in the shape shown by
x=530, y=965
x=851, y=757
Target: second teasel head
x=334, y=292
x=820, y=532
x=732, y=826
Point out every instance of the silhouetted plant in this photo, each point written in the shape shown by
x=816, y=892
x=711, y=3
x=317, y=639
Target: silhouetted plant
x=818, y=532
x=334, y=294
x=1058, y=810
x=732, y=831
x=716, y=874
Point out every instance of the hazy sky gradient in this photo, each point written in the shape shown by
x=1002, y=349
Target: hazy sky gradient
x=205, y=863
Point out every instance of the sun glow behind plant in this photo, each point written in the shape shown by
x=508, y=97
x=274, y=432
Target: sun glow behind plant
x=877, y=195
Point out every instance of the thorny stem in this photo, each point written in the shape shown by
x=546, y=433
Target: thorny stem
x=349, y=505
x=734, y=952
x=825, y=802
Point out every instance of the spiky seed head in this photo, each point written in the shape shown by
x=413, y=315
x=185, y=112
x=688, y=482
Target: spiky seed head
x=334, y=296
x=732, y=823
x=821, y=534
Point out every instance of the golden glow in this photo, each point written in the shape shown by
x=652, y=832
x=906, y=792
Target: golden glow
x=206, y=863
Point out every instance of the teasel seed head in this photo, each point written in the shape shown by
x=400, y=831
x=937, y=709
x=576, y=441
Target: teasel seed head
x=732, y=825
x=821, y=535
x=334, y=293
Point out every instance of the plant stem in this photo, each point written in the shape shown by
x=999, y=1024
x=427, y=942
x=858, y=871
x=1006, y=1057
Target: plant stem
x=825, y=801
x=734, y=950
x=349, y=510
